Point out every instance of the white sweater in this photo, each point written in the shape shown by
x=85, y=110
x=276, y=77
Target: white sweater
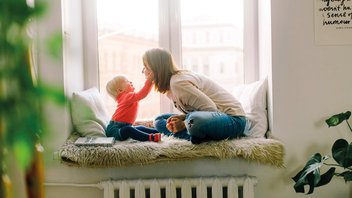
x=195, y=92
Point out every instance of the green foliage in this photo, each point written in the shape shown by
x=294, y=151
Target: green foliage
x=22, y=96
x=310, y=175
x=54, y=45
x=338, y=118
x=341, y=153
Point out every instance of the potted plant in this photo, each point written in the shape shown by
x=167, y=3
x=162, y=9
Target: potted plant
x=22, y=95
x=342, y=155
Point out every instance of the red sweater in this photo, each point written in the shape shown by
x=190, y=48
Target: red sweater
x=127, y=104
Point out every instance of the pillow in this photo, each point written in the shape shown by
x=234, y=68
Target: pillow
x=89, y=115
x=253, y=99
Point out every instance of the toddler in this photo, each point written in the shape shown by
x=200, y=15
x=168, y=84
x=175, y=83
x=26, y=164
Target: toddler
x=120, y=126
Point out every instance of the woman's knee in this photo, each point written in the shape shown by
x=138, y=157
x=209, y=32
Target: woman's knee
x=194, y=124
x=160, y=123
x=163, y=116
x=207, y=124
x=200, y=117
x=159, y=120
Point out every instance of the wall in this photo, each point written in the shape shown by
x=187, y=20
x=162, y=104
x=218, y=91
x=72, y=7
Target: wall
x=50, y=71
x=309, y=82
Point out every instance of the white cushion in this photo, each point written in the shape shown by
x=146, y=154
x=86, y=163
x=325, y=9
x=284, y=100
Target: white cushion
x=89, y=115
x=253, y=99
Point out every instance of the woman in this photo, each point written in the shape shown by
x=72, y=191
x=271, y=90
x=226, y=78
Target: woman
x=210, y=112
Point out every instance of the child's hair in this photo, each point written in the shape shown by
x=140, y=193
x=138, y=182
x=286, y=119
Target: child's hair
x=114, y=85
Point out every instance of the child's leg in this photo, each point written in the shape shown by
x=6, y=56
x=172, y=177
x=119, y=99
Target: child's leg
x=134, y=133
x=113, y=130
x=146, y=129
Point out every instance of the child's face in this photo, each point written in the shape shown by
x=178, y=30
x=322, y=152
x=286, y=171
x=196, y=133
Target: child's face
x=127, y=85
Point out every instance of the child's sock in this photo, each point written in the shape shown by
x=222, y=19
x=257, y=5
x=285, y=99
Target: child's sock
x=157, y=137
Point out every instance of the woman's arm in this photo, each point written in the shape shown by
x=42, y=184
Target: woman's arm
x=189, y=95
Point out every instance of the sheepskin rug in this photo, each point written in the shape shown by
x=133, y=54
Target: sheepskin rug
x=126, y=153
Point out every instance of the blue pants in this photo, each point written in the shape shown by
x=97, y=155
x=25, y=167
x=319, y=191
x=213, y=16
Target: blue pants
x=202, y=126
x=122, y=131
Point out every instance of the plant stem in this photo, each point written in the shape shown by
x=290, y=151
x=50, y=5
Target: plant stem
x=338, y=166
x=349, y=125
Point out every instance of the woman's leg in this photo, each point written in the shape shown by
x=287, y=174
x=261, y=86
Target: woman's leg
x=205, y=126
x=160, y=125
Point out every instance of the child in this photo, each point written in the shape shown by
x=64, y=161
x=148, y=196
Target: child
x=125, y=115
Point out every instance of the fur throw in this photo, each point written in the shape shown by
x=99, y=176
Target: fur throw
x=131, y=152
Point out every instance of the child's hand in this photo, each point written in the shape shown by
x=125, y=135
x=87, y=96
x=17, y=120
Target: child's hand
x=175, y=123
x=148, y=75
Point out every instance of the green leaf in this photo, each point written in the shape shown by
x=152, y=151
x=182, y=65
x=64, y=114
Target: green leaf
x=342, y=153
x=54, y=45
x=52, y=93
x=338, y=118
x=347, y=175
x=299, y=186
x=326, y=177
x=310, y=175
x=23, y=150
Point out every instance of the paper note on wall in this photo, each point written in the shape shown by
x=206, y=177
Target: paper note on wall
x=333, y=22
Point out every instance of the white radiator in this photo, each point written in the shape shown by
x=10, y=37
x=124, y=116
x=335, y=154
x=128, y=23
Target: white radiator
x=201, y=187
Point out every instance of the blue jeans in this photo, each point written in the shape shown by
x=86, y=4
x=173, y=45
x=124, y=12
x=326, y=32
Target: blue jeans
x=160, y=125
x=202, y=126
x=122, y=131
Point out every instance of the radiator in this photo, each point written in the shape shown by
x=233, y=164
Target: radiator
x=201, y=187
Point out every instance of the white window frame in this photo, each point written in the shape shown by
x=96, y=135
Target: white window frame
x=168, y=10
x=90, y=43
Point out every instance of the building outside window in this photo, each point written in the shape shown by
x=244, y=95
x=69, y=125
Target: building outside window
x=212, y=34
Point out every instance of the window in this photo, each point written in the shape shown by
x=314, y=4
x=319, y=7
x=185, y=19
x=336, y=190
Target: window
x=206, y=36
x=122, y=39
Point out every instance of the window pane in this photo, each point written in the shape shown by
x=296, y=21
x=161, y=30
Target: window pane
x=212, y=39
x=126, y=29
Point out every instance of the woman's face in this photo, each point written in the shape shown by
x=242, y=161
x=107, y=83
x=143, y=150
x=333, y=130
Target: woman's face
x=147, y=71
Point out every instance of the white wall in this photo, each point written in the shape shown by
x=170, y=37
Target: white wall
x=51, y=71
x=309, y=83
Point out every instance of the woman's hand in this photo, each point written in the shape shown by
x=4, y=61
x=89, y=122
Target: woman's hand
x=176, y=123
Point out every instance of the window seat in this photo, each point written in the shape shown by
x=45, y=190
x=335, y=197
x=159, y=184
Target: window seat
x=89, y=118
x=266, y=151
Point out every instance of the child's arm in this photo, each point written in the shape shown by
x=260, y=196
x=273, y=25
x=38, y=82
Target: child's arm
x=144, y=91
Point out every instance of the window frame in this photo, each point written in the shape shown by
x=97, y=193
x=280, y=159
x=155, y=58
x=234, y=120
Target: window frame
x=168, y=10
